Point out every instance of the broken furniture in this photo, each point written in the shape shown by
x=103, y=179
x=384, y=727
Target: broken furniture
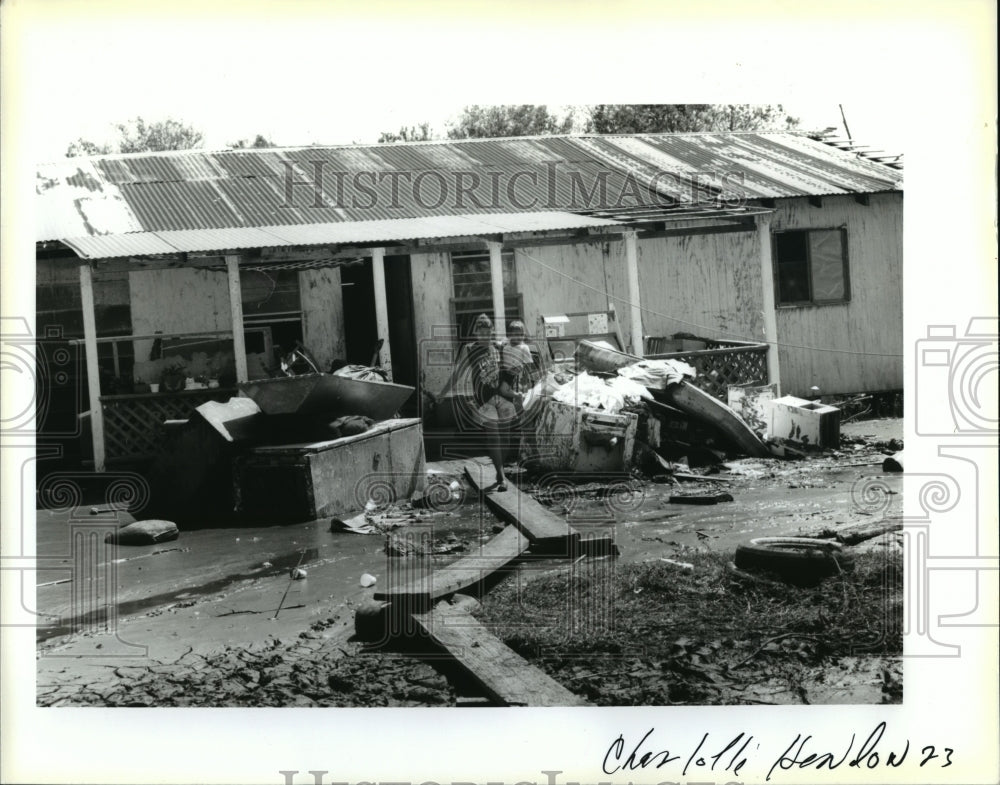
x=579, y=439
x=316, y=393
x=808, y=423
x=305, y=481
x=190, y=477
x=683, y=396
x=562, y=332
x=753, y=403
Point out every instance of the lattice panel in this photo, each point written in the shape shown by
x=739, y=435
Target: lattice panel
x=132, y=426
x=737, y=366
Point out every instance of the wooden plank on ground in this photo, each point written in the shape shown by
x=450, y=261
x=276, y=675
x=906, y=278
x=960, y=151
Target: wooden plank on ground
x=505, y=676
x=859, y=532
x=546, y=530
x=421, y=593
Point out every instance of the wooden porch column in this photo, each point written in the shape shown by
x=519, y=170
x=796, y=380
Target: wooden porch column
x=93, y=370
x=381, y=309
x=767, y=282
x=496, y=284
x=632, y=268
x=236, y=310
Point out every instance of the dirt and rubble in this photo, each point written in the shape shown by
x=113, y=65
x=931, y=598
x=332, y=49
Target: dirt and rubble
x=214, y=619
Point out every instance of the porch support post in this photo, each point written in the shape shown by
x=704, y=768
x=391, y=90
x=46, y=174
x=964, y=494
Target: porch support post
x=381, y=310
x=236, y=311
x=770, y=315
x=496, y=283
x=93, y=370
x=632, y=268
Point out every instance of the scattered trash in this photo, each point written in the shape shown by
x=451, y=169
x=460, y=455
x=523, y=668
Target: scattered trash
x=401, y=546
x=805, y=422
x=144, y=533
x=356, y=525
x=702, y=498
x=591, y=392
x=657, y=374
x=682, y=564
x=894, y=463
x=367, y=580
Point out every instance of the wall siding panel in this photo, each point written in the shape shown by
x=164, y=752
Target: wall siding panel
x=855, y=346
x=708, y=285
x=322, y=314
x=183, y=300
x=431, y=277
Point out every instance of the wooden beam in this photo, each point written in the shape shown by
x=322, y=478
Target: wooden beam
x=421, y=593
x=501, y=673
x=496, y=285
x=768, y=300
x=93, y=369
x=698, y=230
x=635, y=306
x=381, y=309
x=547, y=531
x=236, y=313
x=138, y=264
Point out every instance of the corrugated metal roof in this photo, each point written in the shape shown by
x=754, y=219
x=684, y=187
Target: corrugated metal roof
x=195, y=190
x=345, y=232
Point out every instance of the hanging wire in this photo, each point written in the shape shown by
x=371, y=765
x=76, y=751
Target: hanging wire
x=653, y=312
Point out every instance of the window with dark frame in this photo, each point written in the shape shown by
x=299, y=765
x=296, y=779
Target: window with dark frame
x=472, y=289
x=811, y=267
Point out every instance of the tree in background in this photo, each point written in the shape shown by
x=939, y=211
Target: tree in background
x=508, y=120
x=413, y=133
x=687, y=118
x=138, y=136
x=259, y=142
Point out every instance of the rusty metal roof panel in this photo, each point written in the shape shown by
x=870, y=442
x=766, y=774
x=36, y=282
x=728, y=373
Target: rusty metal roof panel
x=855, y=172
x=180, y=205
x=195, y=190
x=714, y=166
x=777, y=165
x=256, y=163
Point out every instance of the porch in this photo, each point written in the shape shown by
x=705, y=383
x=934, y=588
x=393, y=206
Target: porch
x=128, y=427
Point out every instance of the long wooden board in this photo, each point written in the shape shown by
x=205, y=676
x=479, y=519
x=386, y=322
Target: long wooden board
x=421, y=593
x=546, y=530
x=505, y=676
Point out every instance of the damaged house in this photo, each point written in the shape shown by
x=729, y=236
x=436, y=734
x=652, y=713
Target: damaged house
x=166, y=279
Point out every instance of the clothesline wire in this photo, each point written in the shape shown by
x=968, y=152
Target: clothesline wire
x=653, y=312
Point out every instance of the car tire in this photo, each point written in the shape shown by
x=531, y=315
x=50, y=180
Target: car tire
x=802, y=561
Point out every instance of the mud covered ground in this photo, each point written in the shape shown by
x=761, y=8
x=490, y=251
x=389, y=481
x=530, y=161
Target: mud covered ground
x=214, y=620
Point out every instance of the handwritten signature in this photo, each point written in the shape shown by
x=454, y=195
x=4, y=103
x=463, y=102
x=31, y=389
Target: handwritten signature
x=802, y=753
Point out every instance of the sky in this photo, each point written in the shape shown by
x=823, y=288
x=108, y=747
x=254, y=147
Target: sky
x=314, y=76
